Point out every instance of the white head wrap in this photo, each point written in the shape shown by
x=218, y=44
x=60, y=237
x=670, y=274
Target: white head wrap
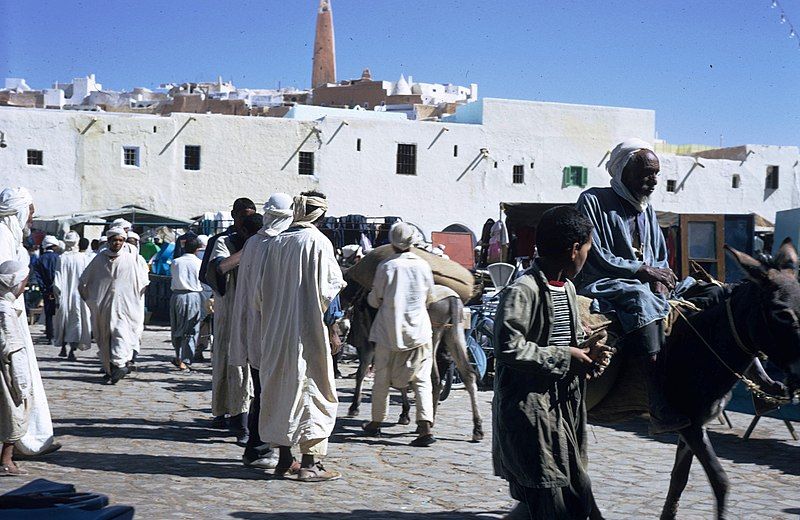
x=203, y=239
x=121, y=222
x=16, y=201
x=71, y=238
x=278, y=214
x=12, y=272
x=401, y=235
x=103, y=239
x=116, y=231
x=619, y=158
x=301, y=218
x=352, y=251
x=133, y=234
x=49, y=241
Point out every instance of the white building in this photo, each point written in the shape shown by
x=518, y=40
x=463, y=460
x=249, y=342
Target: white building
x=432, y=173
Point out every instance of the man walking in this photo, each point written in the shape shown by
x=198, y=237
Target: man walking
x=46, y=269
x=300, y=278
x=402, y=332
x=112, y=285
x=72, y=320
x=185, y=304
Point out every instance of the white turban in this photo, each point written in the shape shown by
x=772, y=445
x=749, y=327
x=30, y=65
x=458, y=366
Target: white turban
x=16, y=201
x=121, y=222
x=49, y=241
x=401, y=235
x=116, y=231
x=12, y=273
x=278, y=214
x=352, y=251
x=71, y=238
x=103, y=239
x=133, y=234
x=203, y=239
x=619, y=158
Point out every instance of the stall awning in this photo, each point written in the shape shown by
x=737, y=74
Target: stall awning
x=136, y=215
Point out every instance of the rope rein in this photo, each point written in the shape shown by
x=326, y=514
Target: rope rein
x=754, y=388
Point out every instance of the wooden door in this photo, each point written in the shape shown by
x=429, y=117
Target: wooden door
x=702, y=240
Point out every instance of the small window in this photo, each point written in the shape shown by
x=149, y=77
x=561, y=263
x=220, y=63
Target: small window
x=406, y=159
x=358, y=144
x=35, y=157
x=455, y=150
x=495, y=164
x=736, y=181
x=155, y=129
x=772, y=178
x=518, y=176
x=109, y=128
x=305, y=165
x=130, y=156
x=671, y=185
x=191, y=157
x=576, y=176
x=531, y=166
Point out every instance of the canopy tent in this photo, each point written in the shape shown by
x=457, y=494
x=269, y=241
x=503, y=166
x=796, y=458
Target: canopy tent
x=138, y=216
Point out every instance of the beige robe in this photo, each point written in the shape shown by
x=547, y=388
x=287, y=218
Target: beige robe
x=15, y=374
x=113, y=288
x=300, y=278
x=39, y=436
x=231, y=387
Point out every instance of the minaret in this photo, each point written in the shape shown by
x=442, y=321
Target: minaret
x=324, y=66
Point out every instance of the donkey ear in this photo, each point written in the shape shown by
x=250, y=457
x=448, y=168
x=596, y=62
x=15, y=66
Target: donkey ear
x=786, y=260
x=752, y=267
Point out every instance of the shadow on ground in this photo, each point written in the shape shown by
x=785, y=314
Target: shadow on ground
x=368, y=514
x=197, y=431
x=730, y=446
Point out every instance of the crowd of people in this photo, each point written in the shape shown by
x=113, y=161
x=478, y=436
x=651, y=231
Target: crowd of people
x=273, y=282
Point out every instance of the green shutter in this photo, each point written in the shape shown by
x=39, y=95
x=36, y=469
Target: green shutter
x=584, y=177
x=567, y=179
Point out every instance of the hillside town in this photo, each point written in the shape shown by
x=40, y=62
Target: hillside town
x=213, y=294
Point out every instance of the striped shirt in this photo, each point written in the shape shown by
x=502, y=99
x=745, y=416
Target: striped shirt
x=562, y=323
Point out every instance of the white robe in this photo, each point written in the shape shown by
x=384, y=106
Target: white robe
x=246, y=331
x=15, y=374
x=72, y=323
x=400, y=291
x=231, y=387
x=298, y=389
x=39, y=436
x=113, y=288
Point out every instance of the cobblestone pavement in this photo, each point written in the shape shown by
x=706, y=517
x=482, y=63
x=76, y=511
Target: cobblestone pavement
x=146, y=442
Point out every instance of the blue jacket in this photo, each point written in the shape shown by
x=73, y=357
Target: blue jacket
x=609, y=274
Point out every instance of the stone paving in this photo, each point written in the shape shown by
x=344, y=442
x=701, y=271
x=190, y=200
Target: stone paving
x=146, y=442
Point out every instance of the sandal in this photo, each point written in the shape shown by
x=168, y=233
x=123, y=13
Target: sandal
x=6, y=471
x=374, y=432
x=423, y=441
x=317, y=473
x=287, y=473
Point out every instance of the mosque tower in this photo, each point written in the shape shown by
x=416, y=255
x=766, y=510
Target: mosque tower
x=324, y=65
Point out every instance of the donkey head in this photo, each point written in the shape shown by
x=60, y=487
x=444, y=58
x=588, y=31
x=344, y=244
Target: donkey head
x=778, y=333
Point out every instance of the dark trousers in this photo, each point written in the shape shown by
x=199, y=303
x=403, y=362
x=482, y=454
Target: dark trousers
x=49, y=312
x=252, y=417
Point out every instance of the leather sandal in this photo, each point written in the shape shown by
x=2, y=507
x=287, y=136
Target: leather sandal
x=6, y=471
x=317, y=473
x=287, y=473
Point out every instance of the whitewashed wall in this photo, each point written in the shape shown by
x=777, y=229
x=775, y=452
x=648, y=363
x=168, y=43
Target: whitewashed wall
x=253, y=157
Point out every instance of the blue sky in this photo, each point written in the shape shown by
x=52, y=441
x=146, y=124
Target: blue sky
x=708, y=68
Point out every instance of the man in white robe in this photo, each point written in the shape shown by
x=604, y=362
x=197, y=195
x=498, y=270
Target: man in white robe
x=133, y=241
x=402, y=332
x=15, y=373
x=112, y=285
x=300, y=277
x=16, y=216
x=231, y=387
x=72, y=324
x=245, y=346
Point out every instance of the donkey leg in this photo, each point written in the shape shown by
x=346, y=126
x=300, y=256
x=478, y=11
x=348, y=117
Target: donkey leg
x=457, y=347
x=677, y=483
x=363, y=366
x=404, y=413
x=697, y=440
